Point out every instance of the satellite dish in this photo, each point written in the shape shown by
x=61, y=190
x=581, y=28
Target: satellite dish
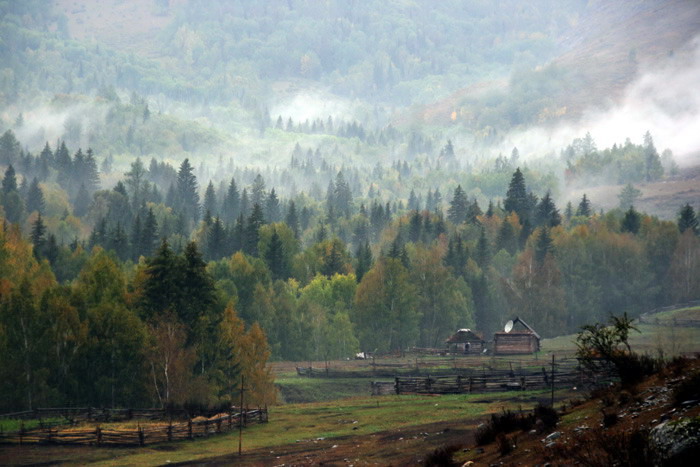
x=509, y=326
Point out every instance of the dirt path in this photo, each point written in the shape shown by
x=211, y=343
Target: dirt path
x=407, y=446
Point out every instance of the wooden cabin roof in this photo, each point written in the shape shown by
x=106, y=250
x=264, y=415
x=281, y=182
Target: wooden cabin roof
x=464, y=335
x=528, y=329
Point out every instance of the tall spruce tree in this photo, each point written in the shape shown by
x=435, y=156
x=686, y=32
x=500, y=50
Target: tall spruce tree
x=255, y=221
x=543, y=245
x=231, y=205
x=516, y=197
x=547, y=212
x=457, y=213
x=687, y=219
x=631, y=222
x=35, y=197
x=584, y=207
x=210, y=204
x=187, y=195
x=292, y=218
x=364, y=260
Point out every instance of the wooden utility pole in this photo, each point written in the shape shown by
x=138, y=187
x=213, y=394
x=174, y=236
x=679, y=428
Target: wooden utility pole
x=240, y=421
x=552, y=401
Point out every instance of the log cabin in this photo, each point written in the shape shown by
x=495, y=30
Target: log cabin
x=465, y=341
x=521, y=339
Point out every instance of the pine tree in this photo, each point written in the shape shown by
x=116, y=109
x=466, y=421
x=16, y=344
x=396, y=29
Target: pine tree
x=457, y=213
x=631, y=222
x=98, y=236
x=543, y=245
x=415, y=227
x=489, y=211
x=9, y=182
x=136, y=238
x=332, y=261
x=292, y=219
x=91, y=175
x=272, y=207
x=210, y=205
x=37, y=236
x=547, y=212
x=255, y=221
x=413, y=201
x=516, y=197
x=275, y=258
x=231, y=206
x=342, y=196
x=506, y=238
x=119, y=242
x=364, y=260
x=569, y=211
x=216, y=240
x=35, y=197
x=473, y=212
x=187, y=196
x=257, y=191
x=245, y=203
x=149, y=234
x=483, y=251
x=584, y=207
x=687, y=219
x=81, y=204
x=653, y=170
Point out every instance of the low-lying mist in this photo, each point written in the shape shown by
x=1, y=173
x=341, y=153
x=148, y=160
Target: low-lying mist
x=664, y=100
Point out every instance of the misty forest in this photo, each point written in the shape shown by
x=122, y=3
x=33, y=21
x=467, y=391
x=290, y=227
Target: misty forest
x=193, y=191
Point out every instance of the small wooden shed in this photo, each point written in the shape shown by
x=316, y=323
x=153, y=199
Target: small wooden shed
x=465, y=341
x=520, y=339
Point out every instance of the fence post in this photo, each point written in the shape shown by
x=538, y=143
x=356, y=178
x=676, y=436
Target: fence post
x=170, y=430
x=98, y=435
x=396, y=386
x=459, y=383
x=552, y=402
x=142, y=441
x=21, y=432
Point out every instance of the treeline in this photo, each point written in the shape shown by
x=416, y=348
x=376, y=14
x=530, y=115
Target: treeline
x=625, y=163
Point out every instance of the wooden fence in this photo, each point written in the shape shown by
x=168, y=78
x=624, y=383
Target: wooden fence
x=140, y=436
x=566, y=374
x=429, y=367
x=92, y=414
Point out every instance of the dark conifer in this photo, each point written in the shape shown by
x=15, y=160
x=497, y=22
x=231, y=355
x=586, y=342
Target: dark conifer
x=687, y=219
x=584, y=207
x=35, y=197
x=631, y=222
x=516, y=197
x=457, y=213
x=292, y=219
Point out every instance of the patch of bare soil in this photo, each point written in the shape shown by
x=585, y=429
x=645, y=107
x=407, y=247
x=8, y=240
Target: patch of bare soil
x=408, y=446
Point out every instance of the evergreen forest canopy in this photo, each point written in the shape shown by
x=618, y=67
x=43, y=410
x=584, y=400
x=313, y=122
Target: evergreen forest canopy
x=174, y=217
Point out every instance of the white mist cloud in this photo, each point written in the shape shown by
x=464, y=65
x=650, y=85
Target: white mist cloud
x=664, y=99
x=312, y=105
